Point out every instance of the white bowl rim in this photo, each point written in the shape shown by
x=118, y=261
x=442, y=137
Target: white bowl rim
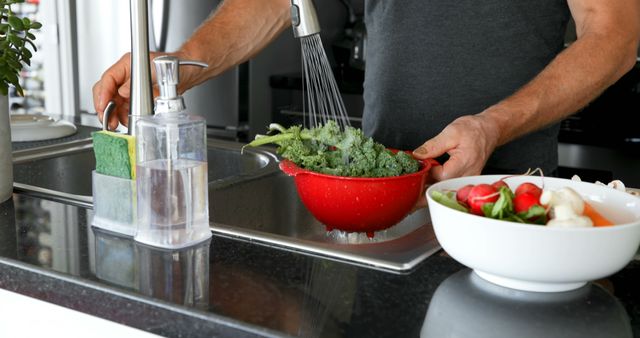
x=615, y=227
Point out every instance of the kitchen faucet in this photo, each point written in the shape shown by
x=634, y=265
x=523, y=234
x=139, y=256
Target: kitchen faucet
x=304, y=18
x=141, y=101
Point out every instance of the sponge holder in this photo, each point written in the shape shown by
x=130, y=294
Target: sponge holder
x=114, y=204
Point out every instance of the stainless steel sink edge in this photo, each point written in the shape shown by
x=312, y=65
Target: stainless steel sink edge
x=49, y=151
x=72, y=147
x=53, y=195
x=348, y=252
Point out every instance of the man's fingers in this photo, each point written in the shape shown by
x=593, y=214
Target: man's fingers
x=435, y=147
x=125, y=90
x=112, y=79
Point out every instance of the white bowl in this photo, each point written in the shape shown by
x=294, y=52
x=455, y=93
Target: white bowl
x=539, y=258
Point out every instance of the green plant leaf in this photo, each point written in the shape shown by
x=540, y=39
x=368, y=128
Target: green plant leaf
x=487, y=209
x=32, y=45
x=504, y=205
x=536, y=214
x=15, y=65
x=448, y=200
x=16, y=40
x=12, y=78
x=26, y=53
x=16, y=23
x=19, y=89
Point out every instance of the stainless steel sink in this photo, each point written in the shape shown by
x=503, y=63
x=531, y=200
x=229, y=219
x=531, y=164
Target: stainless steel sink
x=63, y=171
x=268, y=210
x=249, y=199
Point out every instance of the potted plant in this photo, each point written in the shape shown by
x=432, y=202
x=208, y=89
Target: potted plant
x=16, y=39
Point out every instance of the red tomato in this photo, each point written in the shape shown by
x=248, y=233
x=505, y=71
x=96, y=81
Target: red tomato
x=528, y=187
x=463, y=193
x=479, y=195
x=524, y=201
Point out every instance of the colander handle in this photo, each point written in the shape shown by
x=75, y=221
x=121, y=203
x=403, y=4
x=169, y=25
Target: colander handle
x=290, y=168
x=430, y=162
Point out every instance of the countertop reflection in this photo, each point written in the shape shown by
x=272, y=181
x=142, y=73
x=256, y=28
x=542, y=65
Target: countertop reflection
x=178, y=276
x=465, y=305
x=233, y=288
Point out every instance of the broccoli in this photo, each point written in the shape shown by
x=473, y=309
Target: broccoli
x=329, y=150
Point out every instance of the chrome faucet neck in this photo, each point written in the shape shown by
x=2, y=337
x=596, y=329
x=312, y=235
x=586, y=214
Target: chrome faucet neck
x=141, y=101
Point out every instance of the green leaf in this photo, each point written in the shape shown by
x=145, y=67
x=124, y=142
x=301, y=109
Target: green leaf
x=4, y=88
x=504, y=205
x=33, y=46
x=30, y=36
x=448, y=200
x=19, y=89
x=16, y=40
x=536, y=214
x=15, y=65
x=35, y=25
x=26, y=53
x=16, y=23
x=26, y=22
x=12, y=78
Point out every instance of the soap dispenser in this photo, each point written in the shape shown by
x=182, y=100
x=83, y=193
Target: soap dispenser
x=173, y=209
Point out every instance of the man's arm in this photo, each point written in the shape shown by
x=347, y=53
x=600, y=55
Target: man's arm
x=237, y=31
x=606, y=47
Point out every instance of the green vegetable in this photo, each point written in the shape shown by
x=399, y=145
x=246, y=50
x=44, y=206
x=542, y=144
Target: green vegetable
x=329, y=150
x=448, y=199
x=502, y=208
x=16, y=40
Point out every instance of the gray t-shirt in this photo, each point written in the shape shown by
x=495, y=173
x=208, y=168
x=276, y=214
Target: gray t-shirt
x=431, y=61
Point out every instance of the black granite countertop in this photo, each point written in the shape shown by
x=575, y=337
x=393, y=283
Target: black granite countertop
x=228, y=287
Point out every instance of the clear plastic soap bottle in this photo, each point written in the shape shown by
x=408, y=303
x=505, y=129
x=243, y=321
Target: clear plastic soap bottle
x=173, y=210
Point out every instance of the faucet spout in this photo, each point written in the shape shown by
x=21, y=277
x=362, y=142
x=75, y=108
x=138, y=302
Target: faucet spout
x=141, y=101
x=304, y=18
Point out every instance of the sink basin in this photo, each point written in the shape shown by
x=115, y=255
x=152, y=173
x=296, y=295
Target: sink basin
x=249, y=199
x=268, y=210
x=64, y=170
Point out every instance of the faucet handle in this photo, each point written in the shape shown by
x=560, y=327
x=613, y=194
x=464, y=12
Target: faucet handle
x=168, y=75
x=193, y=63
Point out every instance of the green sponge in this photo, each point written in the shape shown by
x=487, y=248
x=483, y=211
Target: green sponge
x=115, y=154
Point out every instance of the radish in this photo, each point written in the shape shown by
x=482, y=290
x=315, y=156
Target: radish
x=498, y=184
x=528, y=187
x=479, y=195
x=524, y=201
x=463, y=193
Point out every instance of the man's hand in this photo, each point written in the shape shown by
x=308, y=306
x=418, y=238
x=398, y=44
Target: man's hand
x=115, y=85
x=469, y=141
x=237, y=31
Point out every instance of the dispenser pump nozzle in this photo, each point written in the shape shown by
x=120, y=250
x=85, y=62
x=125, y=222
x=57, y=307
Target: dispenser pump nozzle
x=168, y=75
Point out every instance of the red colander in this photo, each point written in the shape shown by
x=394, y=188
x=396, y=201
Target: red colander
x=357, y=204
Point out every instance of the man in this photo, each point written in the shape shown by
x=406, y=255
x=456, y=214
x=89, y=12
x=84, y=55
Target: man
x=484, y=82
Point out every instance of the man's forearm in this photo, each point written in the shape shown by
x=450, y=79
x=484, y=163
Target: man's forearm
x=575, y=77
x=237, y=31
